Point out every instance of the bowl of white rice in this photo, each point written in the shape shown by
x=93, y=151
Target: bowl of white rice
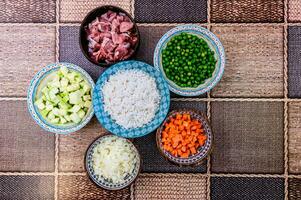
x=131, y=99
x=112, y=162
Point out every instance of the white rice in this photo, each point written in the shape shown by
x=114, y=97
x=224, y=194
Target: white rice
x=131, y=97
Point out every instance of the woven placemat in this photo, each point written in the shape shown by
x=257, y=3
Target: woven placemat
x=170, y=186
x=247, y=10
x=251, y=110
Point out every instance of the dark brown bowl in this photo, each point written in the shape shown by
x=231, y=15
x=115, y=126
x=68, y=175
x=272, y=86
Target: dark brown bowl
x=202, y=152
x=83, y=42
x=104, y=186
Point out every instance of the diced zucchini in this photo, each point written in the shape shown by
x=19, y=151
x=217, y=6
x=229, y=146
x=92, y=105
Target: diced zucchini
x=63, y=112
x=73, y=87
x=50, y=115
x=74, y=109
x=64, y=82
x=66, y=98
x=44, y=113
x=67, y=117
x=55, y=120
x=64, y=105
x=63, y=120
x=40, y=104
x=81, y=113
x=75, y=97
x=86, y=97
x=75, y=118
x=64, y=70
x=56, y=111
x=48, y=106
x=87, y=104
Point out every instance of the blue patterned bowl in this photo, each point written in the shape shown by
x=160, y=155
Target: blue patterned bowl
x=212, y=41
x=104, y=117
x=39, y=81
x=103, y=182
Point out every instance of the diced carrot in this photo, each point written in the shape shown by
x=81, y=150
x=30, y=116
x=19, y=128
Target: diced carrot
x=185, y=155
x=178, y=116
x=193, y=128
x=184, y=133
x=183, y=149
x=185, y=124
x=193, y=150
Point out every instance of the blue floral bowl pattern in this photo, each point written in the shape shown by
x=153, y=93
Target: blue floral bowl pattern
x=104, y=117
x=32, y=92
x=212, y=41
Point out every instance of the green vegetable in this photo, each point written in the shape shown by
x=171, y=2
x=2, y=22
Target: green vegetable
x=187, y=60
x=66, y=98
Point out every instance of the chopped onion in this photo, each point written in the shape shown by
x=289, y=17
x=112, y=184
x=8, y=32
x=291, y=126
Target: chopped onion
x=114, y=158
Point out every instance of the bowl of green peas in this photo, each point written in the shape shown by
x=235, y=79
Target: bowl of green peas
x=191, y=59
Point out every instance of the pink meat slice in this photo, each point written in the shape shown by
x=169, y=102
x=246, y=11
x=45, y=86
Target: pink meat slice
x=104, y=26
x=119, y=38
x=110, y=37
x=126, y=26
x=112, y=16
x=115, y=26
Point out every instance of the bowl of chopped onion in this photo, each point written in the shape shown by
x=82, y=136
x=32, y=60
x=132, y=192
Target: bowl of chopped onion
x=59, y=98
x=185, y=137
x=112, y=162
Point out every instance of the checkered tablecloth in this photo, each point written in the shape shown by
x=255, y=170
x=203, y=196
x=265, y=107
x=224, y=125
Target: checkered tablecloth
x=255, y=110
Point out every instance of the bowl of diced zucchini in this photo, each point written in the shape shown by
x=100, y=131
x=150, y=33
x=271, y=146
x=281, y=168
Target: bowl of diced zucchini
x=60, y=98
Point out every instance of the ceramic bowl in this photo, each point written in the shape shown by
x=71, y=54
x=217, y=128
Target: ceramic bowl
x=103, y=182
x=97, y=12
x=202, y=152
x=213, y=43
x=34, y=91
x=105, y=119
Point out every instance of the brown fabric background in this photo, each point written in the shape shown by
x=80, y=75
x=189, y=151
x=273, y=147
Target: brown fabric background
x=294, y=133
x=80, y=187
x=26, y=187
x=254, y=61
x=149, y=37
x=170, y=187
x=76, y=10
x=24, y=146
x=294, y=10
x=247, y=10
x=34, y=48
x=248, y=137
x=72, y=148
x=27, y=11
x=294, y=189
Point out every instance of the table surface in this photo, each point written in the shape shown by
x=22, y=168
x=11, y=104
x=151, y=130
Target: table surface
x=255, y=110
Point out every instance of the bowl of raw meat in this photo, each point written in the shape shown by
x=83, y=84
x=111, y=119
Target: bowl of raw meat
x=108, y=34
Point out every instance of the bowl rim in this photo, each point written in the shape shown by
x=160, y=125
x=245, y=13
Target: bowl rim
x=105, y=119
x=181, y=161
x=31, y=92
x=84, y=22
x=89, y=173
x=211, y=39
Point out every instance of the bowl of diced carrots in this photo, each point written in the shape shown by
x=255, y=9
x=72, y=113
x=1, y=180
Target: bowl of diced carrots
x=185, y=137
